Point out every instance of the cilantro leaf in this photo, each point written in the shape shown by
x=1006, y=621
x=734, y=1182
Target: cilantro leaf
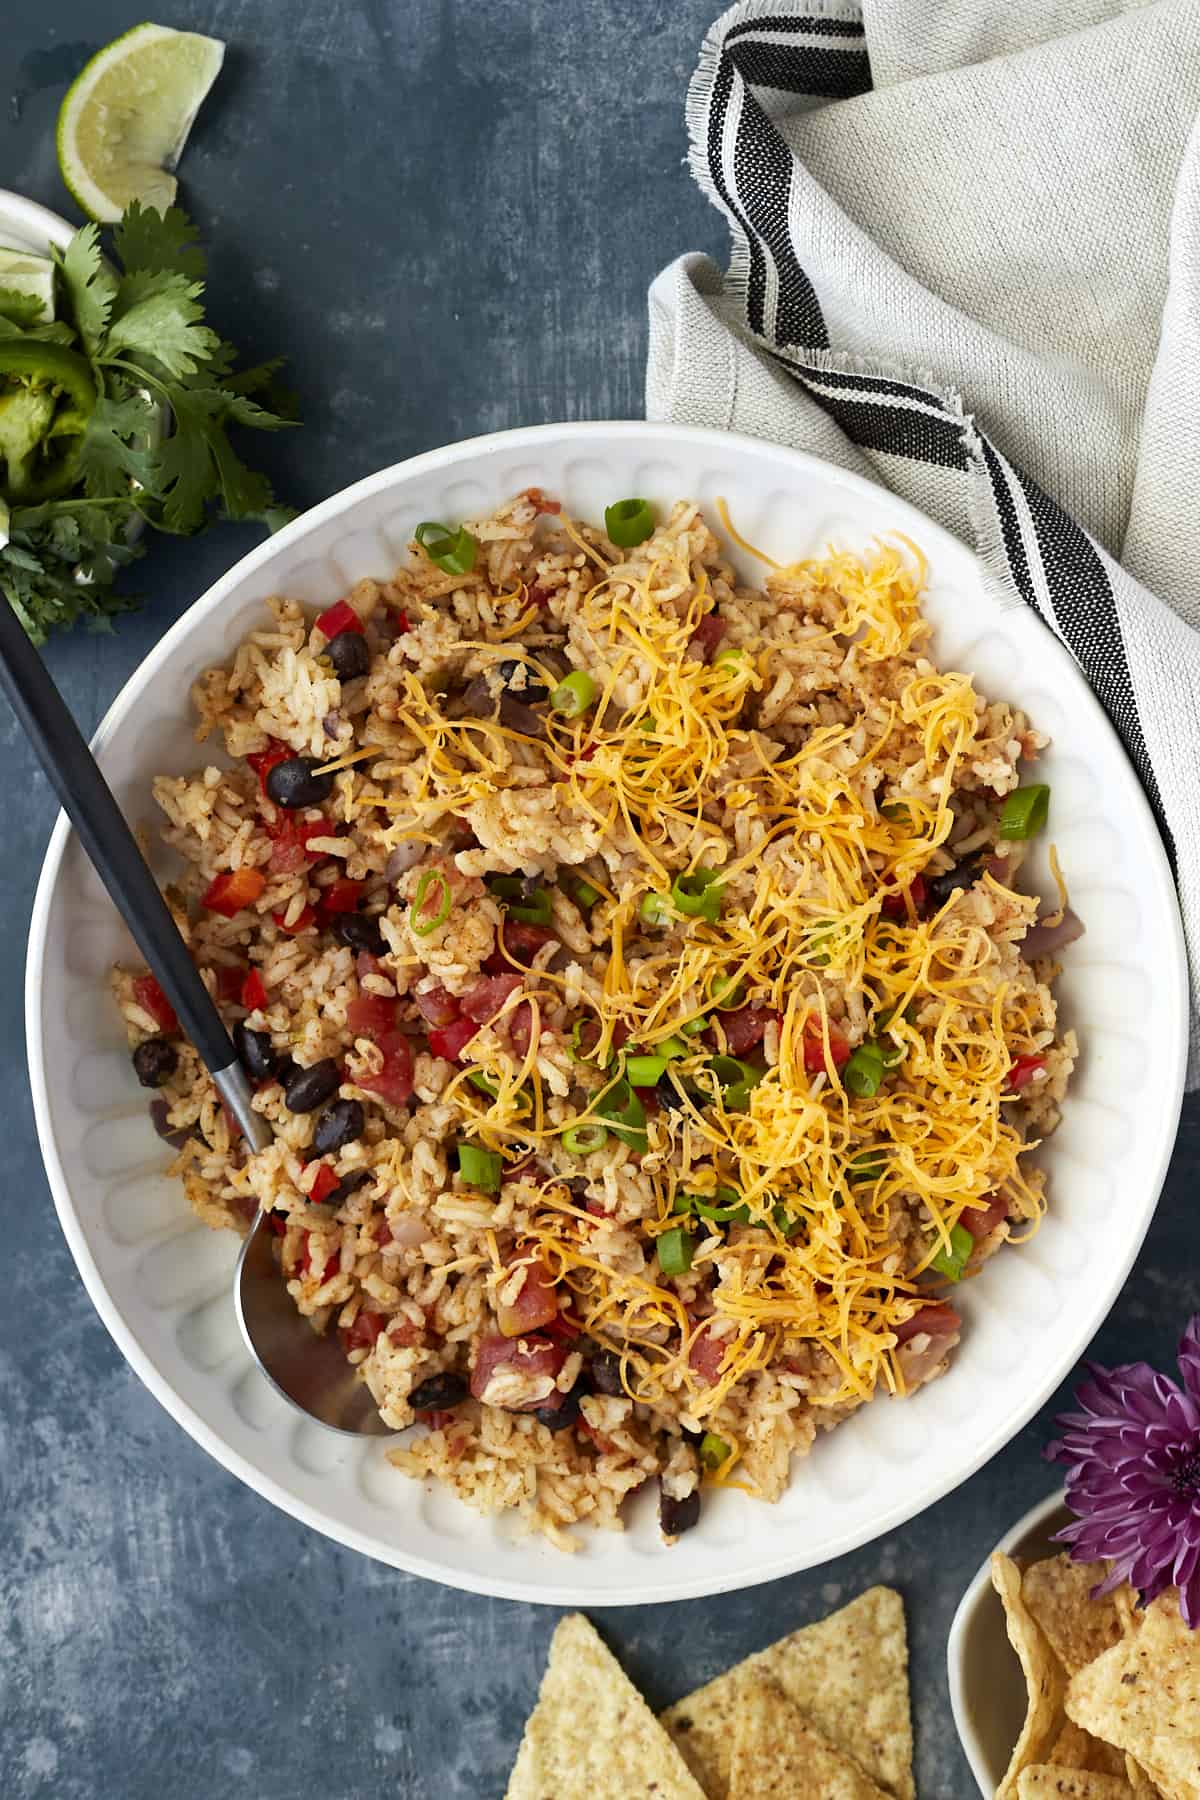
x=118, y=446
x=197, y=461
x=147, y=239
x=89, y=283
x=158, y=315
x=20, y=309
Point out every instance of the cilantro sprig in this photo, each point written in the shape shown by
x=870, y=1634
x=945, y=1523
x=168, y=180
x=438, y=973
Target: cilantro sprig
x=156, y=446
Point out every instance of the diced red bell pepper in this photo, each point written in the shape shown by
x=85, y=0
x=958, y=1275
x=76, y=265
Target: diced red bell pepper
x=394, y=1082
x=706, y=637
x=542, y=502
x=529, y=1355
x=322, y=1184
x=437, y=1006
x=814, y=1047
x=340, y=617
x=451, y=1040
x=892, y=905
x=306, y=919
x=363, y=1333
x=229, y=978
x=534, y=1306
x=706, y=1356
x=936, y=1317
x=982, y=1221
x=263, y=761
x=523, y=942
x=254, y=992
x=152, y=1000
x=483, y=1001
x=342, y=896
x=604, y=1445
x=307, y=1266
x=233, y=891
x=1023, y=1072
x=744, y=1028
x=402, y=622
x=371, y=1016
x=290, y=839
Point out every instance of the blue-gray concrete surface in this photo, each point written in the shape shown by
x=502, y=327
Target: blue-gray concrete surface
x=446, y=213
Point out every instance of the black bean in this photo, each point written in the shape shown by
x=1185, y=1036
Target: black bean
x=154, y=1062
x=668, y=1095
x=306, y=1089
x=678, y=1516
x=178, y=1136
x=439, y=1393
x=521, y=681
x=292, y=783
x=256, y=1053
x=349, y=1184
x=359, y=931
x=340, y=1124
x=965, y=874
x=560, y=1410
x=605, y=1369
x=349, y=654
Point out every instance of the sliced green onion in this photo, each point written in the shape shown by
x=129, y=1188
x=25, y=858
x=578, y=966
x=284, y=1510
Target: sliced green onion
x=424, y=923
x=577, y=1050
x=644, y=1071
x=952, y=1262
x=672, y=1047
x=628, y=522
x=864, y=1072
x=725, y=992
x=786, y=1224
x=736, y=1080
x=698, y=895
x=865, y=1168
x=573, y=695
x=586, y=894
x=537, y=911
x=723, y=1207
x=483, y=1082
x=505, y=887
x=452, y=551
x=729, y=658
x=694, y=1027
x=581, y=1140
x=655, y=909
x=896, y=811
x=1025, y=812
x=648, y=724
x=624, y=1114
x=480, y=1167
x=675, y=1251
x=713, y=1450
x=827, y=930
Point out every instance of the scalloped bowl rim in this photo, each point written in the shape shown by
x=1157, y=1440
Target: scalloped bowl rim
x=644, y=1585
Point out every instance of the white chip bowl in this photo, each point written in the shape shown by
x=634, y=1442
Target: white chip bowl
x=161, y=1282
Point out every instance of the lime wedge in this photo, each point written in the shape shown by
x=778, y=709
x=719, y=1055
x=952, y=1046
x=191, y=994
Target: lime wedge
x=126, y=117
x=24, y=272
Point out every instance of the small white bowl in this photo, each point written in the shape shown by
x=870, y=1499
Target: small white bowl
x=987, y=1688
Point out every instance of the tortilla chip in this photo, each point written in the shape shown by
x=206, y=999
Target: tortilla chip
x=848, y=1676
x=1044, y=1679
x=1144, y=1695
x=1140, y=1782
x=1078, y=1629
x=1075, y=1748
x=1042, y=1782
x=591, y=1736
x=776, y=1756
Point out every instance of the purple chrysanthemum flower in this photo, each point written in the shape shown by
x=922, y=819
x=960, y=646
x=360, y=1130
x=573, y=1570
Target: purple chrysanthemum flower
x=1133, y=1481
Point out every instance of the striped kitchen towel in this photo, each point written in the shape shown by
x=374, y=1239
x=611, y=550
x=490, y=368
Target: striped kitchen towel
x=966, y=262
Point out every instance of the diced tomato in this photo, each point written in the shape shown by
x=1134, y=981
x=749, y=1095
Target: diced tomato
x=152, y=1000
x=983, y=1221
x=936, y=1317
x=394, y=1082
x=523, y=942
x=263, y=761
x=706, y=1355
x=514, y=1171
x=322, y=1184
x=542, y=503
x=534, y=1306
x=362, y=1334
x=893, y=906
x=814, y=1047
x=520, y=1028
x=565, y=1327
x=1023, y=1072
x=584, y=755
x=371, y=1016
x=404, y=1334
x=254, y=992
x=340, y=617
x=342, y=896
x=290, y=838
x=530, y=1355
x=648, y=1098
x=437, y=1006
x=402, y=622
x=604, y=1445
x=483, y=1001
x=382, y=1232
x=706, y=637
x=307, y=1266
x=233, y=891
x=277, y=1223
x=229, y=979
x=744, y=1028
x=451, y=1040
x=438, y=1421
x=366, y=964
x=306, y=918
x=539, y=596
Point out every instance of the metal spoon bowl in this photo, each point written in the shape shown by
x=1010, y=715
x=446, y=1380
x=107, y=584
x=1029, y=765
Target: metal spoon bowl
x=310, y=1371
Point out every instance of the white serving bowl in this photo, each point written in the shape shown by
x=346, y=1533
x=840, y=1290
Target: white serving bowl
x=987, y=1688
x=161, y=1282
